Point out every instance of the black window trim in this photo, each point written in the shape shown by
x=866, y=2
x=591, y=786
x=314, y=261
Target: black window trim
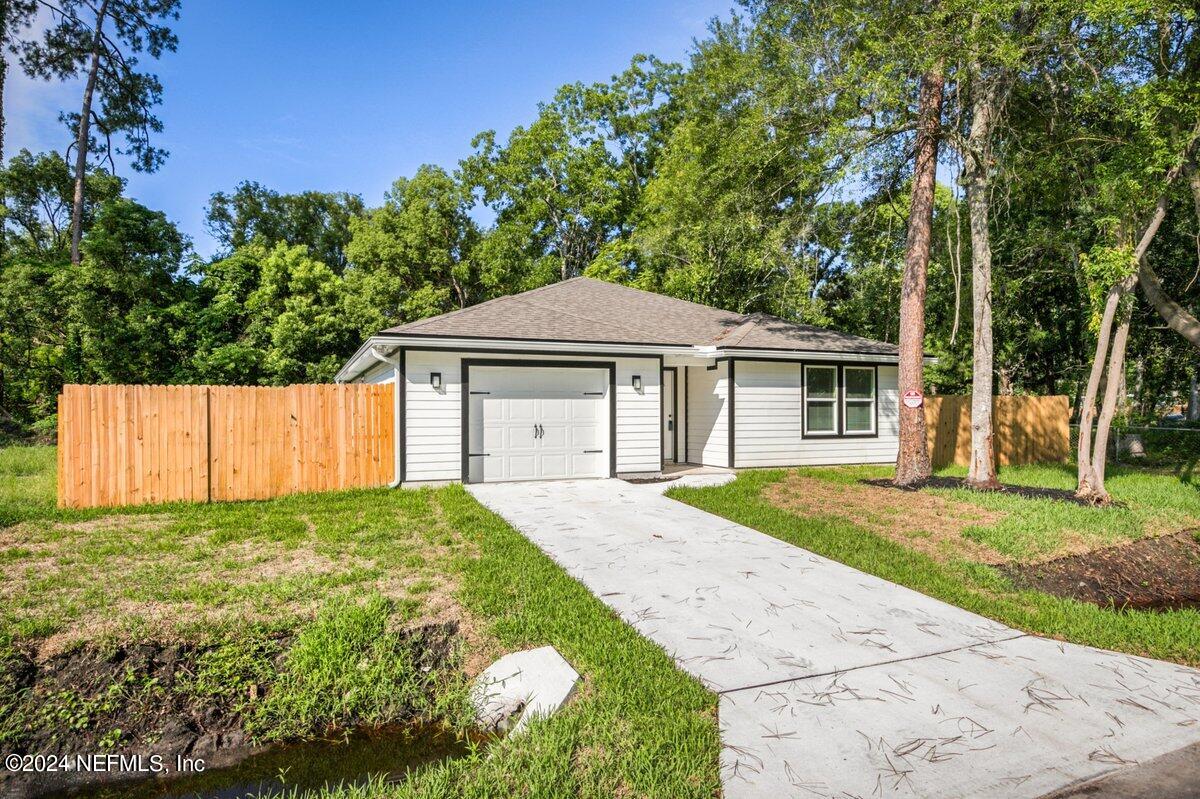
x=839, y=402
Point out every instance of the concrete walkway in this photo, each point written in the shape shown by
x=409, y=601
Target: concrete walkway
x=833, y=682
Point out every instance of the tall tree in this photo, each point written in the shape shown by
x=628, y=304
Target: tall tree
x=414, y=256
x=912, y=462
x=999, y=46
x=317, y=220
x=101, y=43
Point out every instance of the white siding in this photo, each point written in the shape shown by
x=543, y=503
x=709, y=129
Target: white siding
x=707, y=418
x=639, y=438
x=767, y=406
x=433, y=427
x=379, y=373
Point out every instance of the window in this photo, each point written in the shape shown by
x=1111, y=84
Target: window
x=859, y=400
x=820, y=400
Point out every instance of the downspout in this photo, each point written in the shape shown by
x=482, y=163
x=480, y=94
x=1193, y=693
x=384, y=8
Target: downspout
x=397, y=421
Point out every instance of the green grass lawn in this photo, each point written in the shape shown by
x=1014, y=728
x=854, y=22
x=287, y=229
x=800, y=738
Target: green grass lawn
x=1008, y=527
x=340, y=576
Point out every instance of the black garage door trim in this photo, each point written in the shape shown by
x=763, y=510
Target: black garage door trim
x=467, y=363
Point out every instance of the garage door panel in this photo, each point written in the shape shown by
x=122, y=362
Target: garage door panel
x=536, y=423
x=554, y=436
x=554, y=465
x=521, y=409
x=519, y=436
x=585, y=463
x=585, y=437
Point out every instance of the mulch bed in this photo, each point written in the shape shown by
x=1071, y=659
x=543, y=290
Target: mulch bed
x=1152, y=574
x=1029, y=492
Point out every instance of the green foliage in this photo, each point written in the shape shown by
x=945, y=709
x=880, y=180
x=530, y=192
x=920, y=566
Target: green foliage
x=1103, y=268
x=414, y=256
x=233, y=671
x=349, y=668
x=252, y=212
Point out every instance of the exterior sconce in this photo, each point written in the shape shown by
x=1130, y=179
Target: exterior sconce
x=435, y=380
x=637, y=382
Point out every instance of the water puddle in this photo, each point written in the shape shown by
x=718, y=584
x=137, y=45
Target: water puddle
x=295, y=767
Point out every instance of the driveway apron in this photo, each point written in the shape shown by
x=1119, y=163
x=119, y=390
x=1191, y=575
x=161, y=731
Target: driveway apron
x=834, y=682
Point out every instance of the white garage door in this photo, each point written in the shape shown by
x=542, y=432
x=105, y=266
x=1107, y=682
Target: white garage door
x=537, y=423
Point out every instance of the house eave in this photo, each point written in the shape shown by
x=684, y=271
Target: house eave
x=390, y=342
x=362, y=358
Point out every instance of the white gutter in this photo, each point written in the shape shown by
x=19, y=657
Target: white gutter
x=792, y=355
x=394, y=360
x=360, y=360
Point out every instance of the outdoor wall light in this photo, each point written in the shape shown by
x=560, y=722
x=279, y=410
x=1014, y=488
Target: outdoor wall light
x=637, y=382
x=435, y=380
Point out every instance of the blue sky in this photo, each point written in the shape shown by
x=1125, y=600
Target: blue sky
x=349, y=96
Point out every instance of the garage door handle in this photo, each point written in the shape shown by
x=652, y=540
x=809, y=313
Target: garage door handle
x=537, y=431
x=592, y=451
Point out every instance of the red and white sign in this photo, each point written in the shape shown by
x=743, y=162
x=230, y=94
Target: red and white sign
x=913, y=398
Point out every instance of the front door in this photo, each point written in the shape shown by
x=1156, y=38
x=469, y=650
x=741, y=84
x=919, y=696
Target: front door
x=668, y=416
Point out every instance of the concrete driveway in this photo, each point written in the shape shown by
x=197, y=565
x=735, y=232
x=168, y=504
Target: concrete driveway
x=833, y=682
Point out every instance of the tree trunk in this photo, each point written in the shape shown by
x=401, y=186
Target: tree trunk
x=81, y=141
x=982, y=471
x=1086, y=480
x=1174, y=314
x=912, y=462
x=1116, y=368
x=1193, y=408
x=1093, y=456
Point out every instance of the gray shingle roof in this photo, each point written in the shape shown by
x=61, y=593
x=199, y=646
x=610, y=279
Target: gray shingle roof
x=586, y=310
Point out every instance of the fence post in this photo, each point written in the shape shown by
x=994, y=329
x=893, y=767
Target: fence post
x=208, y=464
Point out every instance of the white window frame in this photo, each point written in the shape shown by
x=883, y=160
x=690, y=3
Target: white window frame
x=832, y=401
x=874, y=401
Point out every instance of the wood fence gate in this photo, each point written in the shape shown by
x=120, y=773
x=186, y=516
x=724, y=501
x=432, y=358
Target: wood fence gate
x=133, y=445
x=1025, y=429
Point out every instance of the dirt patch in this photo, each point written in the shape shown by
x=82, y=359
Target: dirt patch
x=1152, y=574
x=1028, y=492
x=139, y=699
x=921, y=521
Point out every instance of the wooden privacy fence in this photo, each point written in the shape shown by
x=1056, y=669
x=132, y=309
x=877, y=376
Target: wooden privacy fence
x=1024, y=429
x=133, y=445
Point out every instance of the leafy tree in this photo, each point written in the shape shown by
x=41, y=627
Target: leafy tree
x=37, y=191
x=414, y=256
x=223, y=352
x=128, y=302
x=564, y=187
x=295, y=317
x=317, y=220
x=117, y=98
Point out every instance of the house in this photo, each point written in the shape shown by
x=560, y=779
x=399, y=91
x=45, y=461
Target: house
x=586, y=378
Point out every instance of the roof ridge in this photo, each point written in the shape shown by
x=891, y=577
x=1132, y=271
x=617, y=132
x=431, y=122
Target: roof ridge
x=709, y=308
x=419, y=322
x=731, y=337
